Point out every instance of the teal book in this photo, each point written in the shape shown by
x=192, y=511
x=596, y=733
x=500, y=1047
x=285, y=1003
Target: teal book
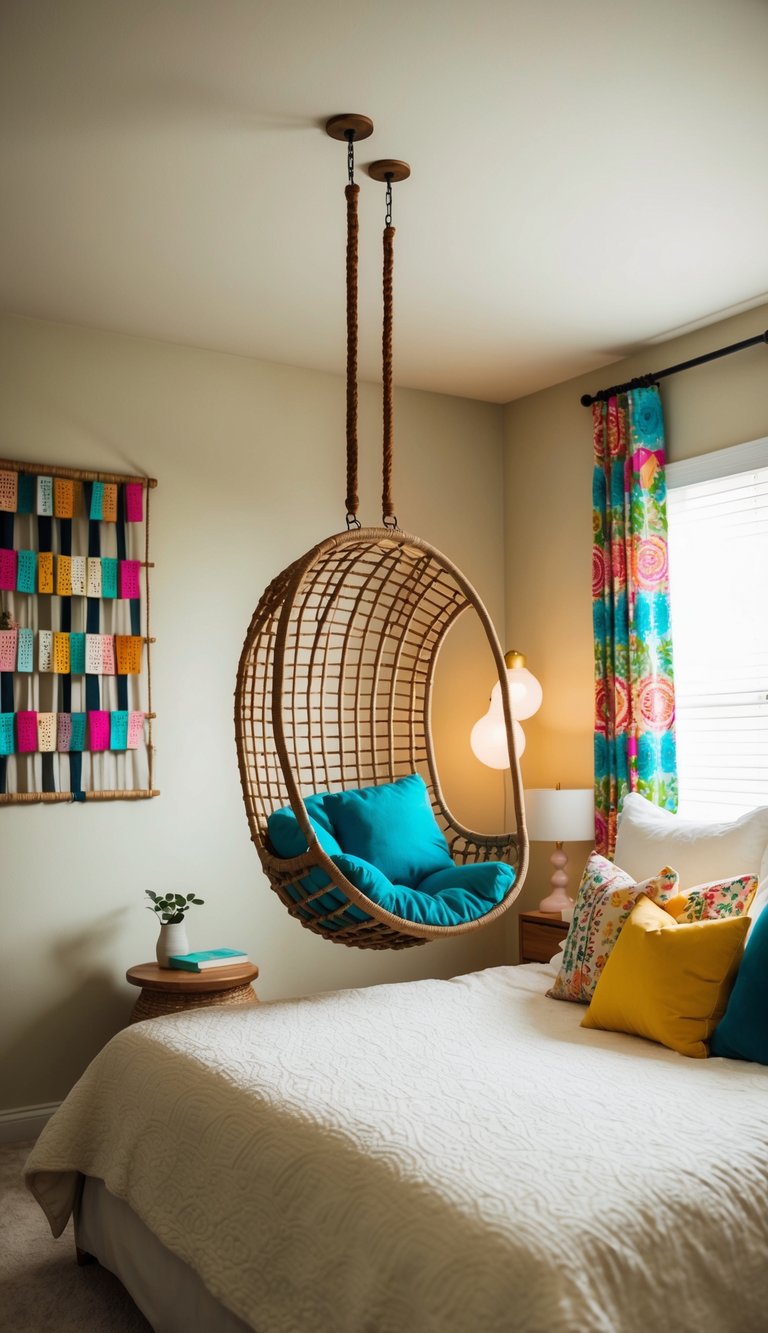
x=199, y=962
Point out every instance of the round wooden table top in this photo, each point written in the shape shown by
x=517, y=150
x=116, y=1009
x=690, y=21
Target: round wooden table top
x=151, y=977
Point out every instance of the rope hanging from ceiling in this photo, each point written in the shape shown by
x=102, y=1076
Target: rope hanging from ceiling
x=335, y=680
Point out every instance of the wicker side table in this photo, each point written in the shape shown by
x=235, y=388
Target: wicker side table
x=166, y=991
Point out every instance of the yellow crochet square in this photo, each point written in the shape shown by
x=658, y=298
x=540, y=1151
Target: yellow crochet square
x=668, y=982
x=45, y=572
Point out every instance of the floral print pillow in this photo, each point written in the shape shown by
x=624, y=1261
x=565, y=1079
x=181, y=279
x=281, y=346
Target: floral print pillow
x=605, y=899
x=713, y=902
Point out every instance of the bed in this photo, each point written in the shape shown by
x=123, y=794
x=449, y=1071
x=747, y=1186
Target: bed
x=430, y=1157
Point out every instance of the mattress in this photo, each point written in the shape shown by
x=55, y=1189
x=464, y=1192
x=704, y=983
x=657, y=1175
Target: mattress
x=437, y=1157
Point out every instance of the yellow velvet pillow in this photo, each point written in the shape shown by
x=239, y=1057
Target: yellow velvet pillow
x=668, y=982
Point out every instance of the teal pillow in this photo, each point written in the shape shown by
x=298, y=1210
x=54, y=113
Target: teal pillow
x=285, y=831
x=471, y=889
x=392, y=827
x=742, y=1032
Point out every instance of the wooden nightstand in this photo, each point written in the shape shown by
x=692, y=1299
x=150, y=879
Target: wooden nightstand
x=540, y=934
x=166, y=991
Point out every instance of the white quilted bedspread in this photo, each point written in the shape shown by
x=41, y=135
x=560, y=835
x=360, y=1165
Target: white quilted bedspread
x=434, y=1157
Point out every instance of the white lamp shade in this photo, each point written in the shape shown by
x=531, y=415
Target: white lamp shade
x=525, y=694
x=488, y=740
x=560, y=814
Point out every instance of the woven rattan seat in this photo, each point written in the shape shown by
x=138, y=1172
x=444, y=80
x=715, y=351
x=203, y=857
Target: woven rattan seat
x=334, y=692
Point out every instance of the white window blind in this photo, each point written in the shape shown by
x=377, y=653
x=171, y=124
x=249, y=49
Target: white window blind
x=718, y=560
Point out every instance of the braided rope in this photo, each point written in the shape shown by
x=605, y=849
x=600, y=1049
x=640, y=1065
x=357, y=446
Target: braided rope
x=387, y=506
x=353, y=500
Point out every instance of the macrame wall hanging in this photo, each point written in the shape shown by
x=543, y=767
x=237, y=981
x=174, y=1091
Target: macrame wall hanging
x=335, y=680
x=75, y=676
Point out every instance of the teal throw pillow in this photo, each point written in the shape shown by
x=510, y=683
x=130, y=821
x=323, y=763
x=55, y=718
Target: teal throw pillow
x=392, y=827
x=285, y=831
x=742, y=1032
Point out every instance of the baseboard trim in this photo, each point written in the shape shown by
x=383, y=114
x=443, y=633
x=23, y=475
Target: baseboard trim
x=25, y=1122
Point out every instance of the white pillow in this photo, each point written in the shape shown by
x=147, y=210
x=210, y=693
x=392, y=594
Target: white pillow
x=649, y=837
x=761, y=897
x=556, y=961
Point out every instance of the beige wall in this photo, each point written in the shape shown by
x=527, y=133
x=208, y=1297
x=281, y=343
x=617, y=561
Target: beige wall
x=250, y=462
x=249, y=458
x=548, y=528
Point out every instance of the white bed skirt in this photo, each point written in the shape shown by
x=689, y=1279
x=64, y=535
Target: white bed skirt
x=168, y=1292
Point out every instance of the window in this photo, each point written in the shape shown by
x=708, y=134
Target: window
x=718, y=562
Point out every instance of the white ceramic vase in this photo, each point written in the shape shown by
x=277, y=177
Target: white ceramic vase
x=172, y=939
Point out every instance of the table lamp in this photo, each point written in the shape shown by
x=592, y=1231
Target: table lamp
x=559, y=815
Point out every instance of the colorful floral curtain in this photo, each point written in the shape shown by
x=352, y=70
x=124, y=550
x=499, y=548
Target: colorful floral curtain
x=634, y=689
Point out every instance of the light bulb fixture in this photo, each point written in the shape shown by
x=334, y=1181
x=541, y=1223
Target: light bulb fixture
x=488, y=737
x=524, y=689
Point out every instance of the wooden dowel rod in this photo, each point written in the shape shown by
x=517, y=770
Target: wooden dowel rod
x=51, y=797
x=75, y=474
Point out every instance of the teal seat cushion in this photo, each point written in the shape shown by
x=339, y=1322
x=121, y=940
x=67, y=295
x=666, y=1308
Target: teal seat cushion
x=413, y=877
x=742, y=1032
x=410, y=904
x=392, y=827
x=471, y=890
x=325, y=903
x=288, y=840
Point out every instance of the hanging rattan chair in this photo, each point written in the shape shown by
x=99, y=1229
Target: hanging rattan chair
x=334, y=691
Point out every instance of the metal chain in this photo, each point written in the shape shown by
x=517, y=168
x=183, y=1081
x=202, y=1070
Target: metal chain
x=351, y=156
x=388, y=217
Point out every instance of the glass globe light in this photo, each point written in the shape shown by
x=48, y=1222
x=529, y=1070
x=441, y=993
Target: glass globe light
x=524, y=689
x=488, y=740
x=488, y=737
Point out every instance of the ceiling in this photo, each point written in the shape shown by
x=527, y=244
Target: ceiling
x=587, y=178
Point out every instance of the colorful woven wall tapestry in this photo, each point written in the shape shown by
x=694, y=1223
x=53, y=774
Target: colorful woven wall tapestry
x=75, y=644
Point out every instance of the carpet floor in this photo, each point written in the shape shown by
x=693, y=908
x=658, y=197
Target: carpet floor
x=42, y=1290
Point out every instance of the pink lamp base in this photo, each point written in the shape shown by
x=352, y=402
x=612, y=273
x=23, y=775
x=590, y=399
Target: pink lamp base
x=557, y=900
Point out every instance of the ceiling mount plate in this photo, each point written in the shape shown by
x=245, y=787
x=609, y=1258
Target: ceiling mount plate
x=388, y=168
x=339, y=126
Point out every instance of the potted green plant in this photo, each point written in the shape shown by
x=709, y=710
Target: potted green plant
x=172, y=909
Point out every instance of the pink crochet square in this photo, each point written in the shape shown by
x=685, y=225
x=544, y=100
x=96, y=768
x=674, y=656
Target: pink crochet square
x=26, y=732
x=134, y=502
x=98, y=729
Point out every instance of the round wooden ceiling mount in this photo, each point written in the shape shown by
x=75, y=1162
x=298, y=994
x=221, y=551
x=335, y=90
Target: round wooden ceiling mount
x=339, y=126
x=388, y=168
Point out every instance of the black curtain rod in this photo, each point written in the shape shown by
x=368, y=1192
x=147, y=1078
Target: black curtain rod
x=644, y=381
